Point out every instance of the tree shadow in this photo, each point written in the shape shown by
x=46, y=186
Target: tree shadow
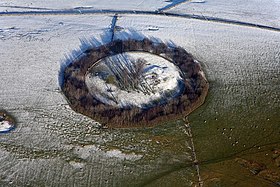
x=95, y=42
x=129, y=34
x=172, y=4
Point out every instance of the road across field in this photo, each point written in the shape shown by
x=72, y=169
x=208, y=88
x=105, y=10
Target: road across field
x=139, y=12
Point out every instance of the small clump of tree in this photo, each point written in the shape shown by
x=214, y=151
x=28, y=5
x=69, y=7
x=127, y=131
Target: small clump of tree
x=127, y=75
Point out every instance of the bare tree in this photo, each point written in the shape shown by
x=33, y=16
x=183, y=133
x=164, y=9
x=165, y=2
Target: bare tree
x=128, y=72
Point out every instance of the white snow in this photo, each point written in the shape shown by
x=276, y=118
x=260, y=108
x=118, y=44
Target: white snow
x=89, y=151
x=265, y=12
x=5, y=126
x=77, y=165
x=30, y=62
x=160, y=75
x=115, y=153
x=86, y=151
x=24, y=5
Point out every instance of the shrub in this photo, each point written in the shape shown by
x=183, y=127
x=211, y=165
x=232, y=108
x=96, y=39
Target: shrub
x=111, y=79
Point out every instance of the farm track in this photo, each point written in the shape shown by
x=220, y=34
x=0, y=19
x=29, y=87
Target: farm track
x=138, y=12
x=195, y=160
x=113, y=26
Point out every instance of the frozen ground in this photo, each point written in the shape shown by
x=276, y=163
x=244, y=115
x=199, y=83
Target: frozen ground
x=18, y=5
x=264, y=12
x=54, y=146
x=49, y=133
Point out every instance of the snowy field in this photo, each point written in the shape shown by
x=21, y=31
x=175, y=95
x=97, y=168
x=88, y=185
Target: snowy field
x=18, y=5
x=265, y=12
x=54, y=146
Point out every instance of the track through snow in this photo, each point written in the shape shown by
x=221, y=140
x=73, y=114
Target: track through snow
x=139, y=12
x=113, y=26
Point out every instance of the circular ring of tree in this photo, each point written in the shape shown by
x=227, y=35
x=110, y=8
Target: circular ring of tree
x=109, y=86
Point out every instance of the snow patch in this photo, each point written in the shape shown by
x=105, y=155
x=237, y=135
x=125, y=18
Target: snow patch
x=6, y=126
x=159, y=81
x=118, y=154
x=77, y=165
x=86, y=151
x=89, y=151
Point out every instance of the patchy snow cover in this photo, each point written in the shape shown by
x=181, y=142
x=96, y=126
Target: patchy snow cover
x=236, y=59
x=89, y=151
x=77, y=165
x=6, y=126
x=84, y=152
x=160, y=76
x=123, y=156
